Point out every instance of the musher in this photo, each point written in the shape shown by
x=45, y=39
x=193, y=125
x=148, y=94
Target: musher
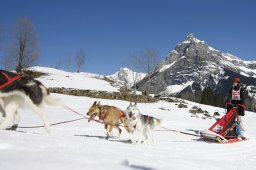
x=236, y=99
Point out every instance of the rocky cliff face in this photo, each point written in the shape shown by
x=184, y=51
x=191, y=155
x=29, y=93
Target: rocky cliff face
x=193, y=65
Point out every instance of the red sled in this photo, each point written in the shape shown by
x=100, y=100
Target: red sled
x=224, y=130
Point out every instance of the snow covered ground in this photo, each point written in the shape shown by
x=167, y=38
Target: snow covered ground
x=81, y=145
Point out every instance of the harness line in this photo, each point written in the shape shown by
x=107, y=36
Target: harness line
x=182, y=132
x=102, y=122
x=68, y=121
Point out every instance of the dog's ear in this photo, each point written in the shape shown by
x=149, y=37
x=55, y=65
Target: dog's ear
x=94, y=103
x=98, y=103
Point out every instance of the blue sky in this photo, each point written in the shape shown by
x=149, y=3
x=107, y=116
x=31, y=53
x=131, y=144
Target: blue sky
x=108, y=30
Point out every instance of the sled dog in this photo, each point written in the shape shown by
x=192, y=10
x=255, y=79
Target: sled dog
x=22, y=92
x=143, y=124
x=110, y=115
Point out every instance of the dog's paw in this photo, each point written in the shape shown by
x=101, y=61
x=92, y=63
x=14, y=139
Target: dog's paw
x=12, y=128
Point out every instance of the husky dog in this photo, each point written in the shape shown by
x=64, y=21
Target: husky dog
x=110, y=115
x=22, y=92
x=143, y=124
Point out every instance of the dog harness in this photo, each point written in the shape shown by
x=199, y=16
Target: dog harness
x=105, y=114
x=9, y=79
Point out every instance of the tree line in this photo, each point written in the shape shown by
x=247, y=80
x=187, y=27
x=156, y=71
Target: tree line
x=23, y=49
x=210, y=97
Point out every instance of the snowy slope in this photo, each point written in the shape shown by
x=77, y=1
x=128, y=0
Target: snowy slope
x=81, y=145
x=84, y=81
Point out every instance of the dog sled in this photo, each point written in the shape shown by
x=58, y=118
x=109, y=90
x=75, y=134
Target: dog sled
x=225, y=130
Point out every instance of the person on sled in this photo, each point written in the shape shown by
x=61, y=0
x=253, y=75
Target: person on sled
x=236, y=99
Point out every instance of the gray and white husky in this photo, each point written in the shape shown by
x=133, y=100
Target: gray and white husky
x=143, y=124
x=22, y=92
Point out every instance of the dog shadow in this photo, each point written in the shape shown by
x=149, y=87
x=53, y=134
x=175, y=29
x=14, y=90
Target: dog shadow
x=112, y=139
x=192, y=130
x=92, y=136
x=139, y=167
x=209, y=141
x=121, y=141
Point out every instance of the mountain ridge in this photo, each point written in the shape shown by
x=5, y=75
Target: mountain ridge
x=193, y=66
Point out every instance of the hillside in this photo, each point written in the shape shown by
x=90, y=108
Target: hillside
x=82, y=80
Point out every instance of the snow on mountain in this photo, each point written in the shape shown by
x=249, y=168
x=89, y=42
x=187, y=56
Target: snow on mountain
x=165, y=67
x=126, y=77
x=82, y=145
x=173, y=89
x=82, y=80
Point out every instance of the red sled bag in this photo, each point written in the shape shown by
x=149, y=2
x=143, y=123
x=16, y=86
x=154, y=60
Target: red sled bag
x=224, y=129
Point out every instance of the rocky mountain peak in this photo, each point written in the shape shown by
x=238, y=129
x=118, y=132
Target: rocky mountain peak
x=191, y=36
x=191, y=51
x=192, y=39
x=193, y=65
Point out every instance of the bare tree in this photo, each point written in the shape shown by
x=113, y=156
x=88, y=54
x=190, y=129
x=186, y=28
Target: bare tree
x=9, y=62
x=145, y=61
x=134, y=69
x=58, y=64
x=80, y=59
x=1, y=36
x=68, y=61
x=25, y=46
x=1, y=40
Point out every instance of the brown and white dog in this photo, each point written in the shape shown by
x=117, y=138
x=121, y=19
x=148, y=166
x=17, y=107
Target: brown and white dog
x=142, y=124
x=22, y=92
x=110, y=115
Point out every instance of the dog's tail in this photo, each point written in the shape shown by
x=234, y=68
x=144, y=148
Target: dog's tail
x=159, y=122
x=48, y=99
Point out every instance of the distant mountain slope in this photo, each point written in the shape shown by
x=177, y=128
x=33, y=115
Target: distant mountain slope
x=126, y=77
x=193, y=65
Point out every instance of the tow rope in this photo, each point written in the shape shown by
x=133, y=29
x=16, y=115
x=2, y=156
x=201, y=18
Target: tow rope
x=85, y=117
x=63, y=122
x=40, y=126
x=178, y=131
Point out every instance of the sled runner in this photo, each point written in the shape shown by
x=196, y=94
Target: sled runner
x=224, y=130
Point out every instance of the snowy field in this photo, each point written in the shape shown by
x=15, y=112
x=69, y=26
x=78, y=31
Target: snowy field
x=82, y=145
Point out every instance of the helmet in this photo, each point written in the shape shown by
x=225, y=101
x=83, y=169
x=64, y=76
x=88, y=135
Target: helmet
x=236, y=80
